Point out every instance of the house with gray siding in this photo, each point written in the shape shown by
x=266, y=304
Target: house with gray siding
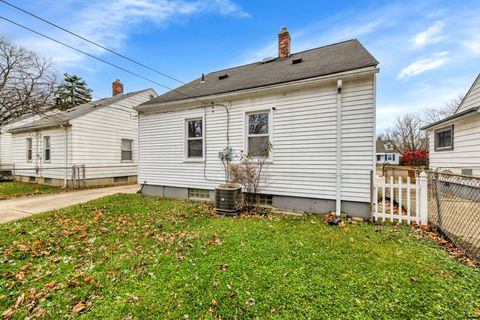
x=316, y=108
x=386, y=153
x=100, y=136
x=454, y=142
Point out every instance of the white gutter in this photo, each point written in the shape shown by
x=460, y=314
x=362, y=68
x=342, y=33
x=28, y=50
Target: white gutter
x=338, y=206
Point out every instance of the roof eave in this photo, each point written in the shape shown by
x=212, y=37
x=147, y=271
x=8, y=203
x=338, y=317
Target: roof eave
x=451, y=118
x=291, y=84
x=49, y=126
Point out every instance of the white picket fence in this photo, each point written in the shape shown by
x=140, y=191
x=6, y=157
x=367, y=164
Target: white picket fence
x=402, y=206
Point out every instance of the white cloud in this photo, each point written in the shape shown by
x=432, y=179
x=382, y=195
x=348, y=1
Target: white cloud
x=432, y=35
x=110, y=23
x=423, y=64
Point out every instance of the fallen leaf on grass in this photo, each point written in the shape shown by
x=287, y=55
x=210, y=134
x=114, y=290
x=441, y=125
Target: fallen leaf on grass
x=250, y=302
x=39, y=313
x=89, y=279
x=51, y=284
x=213, y=302
x=215, y=242
x=7, y=314
x=223, y=266
x=20, y=300
x=78, y=308
x=275, y=309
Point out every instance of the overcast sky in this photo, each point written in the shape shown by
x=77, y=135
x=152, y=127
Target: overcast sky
x=429, y=51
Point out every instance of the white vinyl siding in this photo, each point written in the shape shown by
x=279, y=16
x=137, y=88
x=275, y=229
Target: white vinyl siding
x=466, y=151
x=472, y=99
x=303, y=125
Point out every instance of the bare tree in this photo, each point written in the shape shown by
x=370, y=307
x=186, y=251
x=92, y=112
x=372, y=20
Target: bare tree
x=27, y=82
x=436, y=114
x=406, y=134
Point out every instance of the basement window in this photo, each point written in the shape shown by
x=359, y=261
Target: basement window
x=198, y=194
x=120, y=179
x=225, y=76
x=47, y=180
x=32, y=179
x=262, y=200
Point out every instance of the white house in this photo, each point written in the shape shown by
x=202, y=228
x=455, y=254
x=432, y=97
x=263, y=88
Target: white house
x=6, y=137
x=386, y=153
x=454, y=142
x=316, y=107
x=100, y=135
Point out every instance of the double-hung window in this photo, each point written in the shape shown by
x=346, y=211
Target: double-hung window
x=444, y=139
x=194, y=138
x=29, y=146
x=127, y=150
x=258, y=134
x=46, y=148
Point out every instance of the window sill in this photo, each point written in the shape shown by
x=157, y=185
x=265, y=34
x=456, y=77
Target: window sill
x=193, y=160
x=443, y=149
x=126, y=161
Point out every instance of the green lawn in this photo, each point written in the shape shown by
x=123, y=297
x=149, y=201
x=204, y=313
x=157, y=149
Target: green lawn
x=137, y=257
x=17, y=189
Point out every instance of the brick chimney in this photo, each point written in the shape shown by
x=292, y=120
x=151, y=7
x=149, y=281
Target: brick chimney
x=117, y=87
x=283, y=44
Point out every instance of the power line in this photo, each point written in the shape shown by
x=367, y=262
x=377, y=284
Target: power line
x=93, y=42
x=97, y=58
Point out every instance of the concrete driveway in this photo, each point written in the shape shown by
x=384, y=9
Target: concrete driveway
x=23, y=207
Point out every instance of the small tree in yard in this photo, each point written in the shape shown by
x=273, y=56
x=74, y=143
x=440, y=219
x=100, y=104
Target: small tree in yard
x=72, y=92
x=250, y=173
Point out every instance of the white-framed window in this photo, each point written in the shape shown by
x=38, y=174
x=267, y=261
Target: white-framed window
x=46, y=149
x=127, y=150
x=258, y=133
x=194, y=138
x=389, y=157
x=443, y=139
x=29, y=147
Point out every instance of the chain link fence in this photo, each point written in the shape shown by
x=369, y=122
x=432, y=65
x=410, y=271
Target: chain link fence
x=454, y=207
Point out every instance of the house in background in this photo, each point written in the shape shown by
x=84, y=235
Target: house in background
x=316, y=108
x=100, y=135
x=6, y=137
x=454, y=142
x=386, y=153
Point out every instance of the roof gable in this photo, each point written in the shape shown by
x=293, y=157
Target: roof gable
x=64, y=117
x=472, y=98
x=331, y=59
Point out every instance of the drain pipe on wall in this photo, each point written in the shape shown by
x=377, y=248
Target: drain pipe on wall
x=65, y=184
x=338, y=203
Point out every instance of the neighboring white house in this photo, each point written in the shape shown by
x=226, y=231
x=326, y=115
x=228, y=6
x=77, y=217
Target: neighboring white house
x=316, y=107
x=100, y=135
x=386, y=153
x=6, y=137
x=454, y=142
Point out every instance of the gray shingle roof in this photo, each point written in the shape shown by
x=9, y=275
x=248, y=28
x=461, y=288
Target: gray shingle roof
x=63, y=117
x=335, y=58
x=380, y=146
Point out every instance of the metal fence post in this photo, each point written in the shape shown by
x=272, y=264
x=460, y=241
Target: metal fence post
x=423, y=198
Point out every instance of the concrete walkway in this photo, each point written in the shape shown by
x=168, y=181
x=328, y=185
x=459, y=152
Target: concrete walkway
x=23, y=207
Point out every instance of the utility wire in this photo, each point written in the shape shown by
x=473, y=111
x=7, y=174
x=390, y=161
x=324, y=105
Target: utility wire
x=97, y=58
x=93, y=42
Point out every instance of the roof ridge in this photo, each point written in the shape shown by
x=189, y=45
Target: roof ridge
x=295, y=53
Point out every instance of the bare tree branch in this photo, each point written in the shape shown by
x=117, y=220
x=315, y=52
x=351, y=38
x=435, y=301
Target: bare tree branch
x=27, y=82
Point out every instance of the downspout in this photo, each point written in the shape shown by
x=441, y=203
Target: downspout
x=338, y=205
x=65, y=183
